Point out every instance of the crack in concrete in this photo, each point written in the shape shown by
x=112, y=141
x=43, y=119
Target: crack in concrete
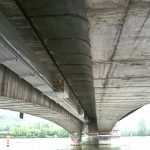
x=123, y=60
x=115, y=47
x=125, y=78
x=140, y=32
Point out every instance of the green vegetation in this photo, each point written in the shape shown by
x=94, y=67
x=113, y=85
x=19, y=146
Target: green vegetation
x=141, y=130
x=29, y=127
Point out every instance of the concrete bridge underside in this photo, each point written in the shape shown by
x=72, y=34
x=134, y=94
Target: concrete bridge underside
x=119, y=37
x=105, y=42
x=18, y=95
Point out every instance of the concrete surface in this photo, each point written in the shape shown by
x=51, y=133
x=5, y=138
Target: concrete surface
x=18, y=95
x=19, y=57
x=58, y=33
x=119, y=36
x=105, y=42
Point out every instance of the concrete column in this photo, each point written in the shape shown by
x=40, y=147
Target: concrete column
x=90, y=140
x=86, y=138
x=76, y=140
x=104, y=139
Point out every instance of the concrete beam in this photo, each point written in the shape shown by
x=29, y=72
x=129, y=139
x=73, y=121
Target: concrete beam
x=20, y=58
x=18, y=95
x=119, y=36
x=62, y=28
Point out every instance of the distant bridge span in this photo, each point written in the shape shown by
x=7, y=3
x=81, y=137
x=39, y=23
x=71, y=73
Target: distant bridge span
x=18, y=95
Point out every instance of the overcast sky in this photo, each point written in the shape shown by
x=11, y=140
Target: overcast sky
x=130, y=122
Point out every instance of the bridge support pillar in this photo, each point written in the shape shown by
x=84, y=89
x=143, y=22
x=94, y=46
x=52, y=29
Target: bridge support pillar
x=90, y=140
x=76, y=140
x=104, y=139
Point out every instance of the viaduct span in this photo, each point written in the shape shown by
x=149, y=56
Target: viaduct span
x=75, y=62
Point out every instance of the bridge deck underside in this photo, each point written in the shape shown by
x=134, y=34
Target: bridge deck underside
x=119, y=36
x=58, y=33
x=18, y=95
x=38, y=111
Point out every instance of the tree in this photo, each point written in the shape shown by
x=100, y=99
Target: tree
x=141, y=127
x=45, y=124
x=6, y=128
x=1, y=128
x=23, y=131
x=28, y=135
x=16, y=131
x=37, y=125
x=34, y=132
x=126, y=133
x=42, y=133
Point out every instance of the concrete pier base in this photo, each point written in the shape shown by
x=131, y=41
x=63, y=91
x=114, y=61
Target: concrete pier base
x=76, y=140
x=104, y=139
x=90, y=140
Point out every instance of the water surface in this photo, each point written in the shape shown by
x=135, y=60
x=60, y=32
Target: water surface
x=124, y=143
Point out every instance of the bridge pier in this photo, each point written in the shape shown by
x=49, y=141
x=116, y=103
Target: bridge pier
x=90, y=140
x=76, y=140
x=104, y=139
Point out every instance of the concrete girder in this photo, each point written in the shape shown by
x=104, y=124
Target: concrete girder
x=18, y=56
x=63, y=47
x=18, y=95
x=119, y=37
x=62, y=28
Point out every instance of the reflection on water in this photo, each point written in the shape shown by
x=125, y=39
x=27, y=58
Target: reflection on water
x=93, y=144
x=94, y=147
x=124, y=143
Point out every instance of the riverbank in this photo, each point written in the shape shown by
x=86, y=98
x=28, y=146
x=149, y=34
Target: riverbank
x=25, y=137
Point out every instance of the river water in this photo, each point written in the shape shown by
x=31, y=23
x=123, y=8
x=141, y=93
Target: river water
x=124, y=143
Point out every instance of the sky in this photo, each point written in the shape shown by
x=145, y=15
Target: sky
x=129, y=123
x=14, y=114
